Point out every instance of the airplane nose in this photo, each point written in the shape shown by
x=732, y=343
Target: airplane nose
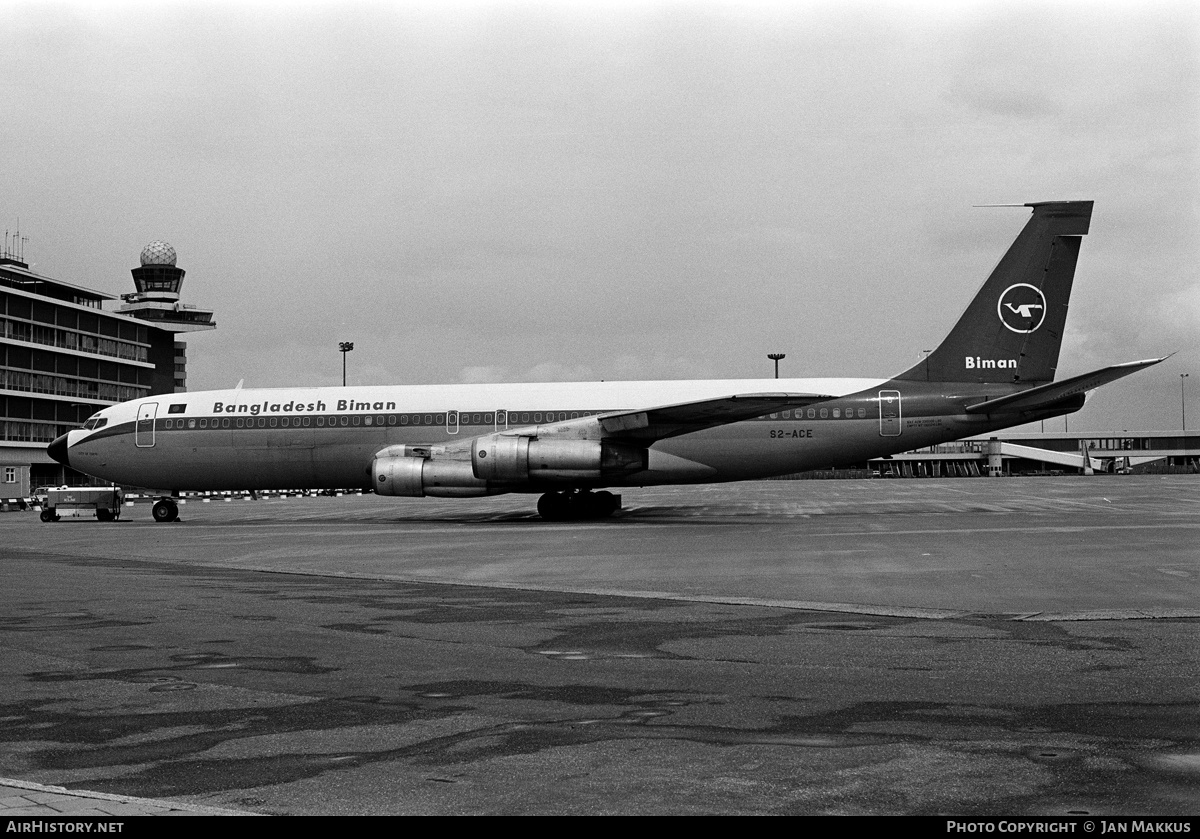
x=58, y=449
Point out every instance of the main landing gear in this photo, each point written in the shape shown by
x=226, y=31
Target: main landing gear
x=165, y=509
x=578, y=506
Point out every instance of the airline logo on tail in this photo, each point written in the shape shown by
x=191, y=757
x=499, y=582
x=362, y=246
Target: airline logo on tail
x=1022, y=307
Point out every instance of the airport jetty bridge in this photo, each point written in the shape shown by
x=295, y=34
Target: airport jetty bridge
x=1044, y=453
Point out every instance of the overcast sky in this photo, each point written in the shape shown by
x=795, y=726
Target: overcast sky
x=524, y=191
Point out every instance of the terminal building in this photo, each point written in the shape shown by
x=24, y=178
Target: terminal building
x=63, y=357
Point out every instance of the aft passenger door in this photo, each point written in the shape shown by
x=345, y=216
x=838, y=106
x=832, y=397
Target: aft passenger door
x=889, y=413
x=143, y=429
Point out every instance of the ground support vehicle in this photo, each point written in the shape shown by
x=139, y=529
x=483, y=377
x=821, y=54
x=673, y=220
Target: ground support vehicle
x=83, y=502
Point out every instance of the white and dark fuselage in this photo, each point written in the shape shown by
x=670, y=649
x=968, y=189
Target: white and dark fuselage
x=307, y=438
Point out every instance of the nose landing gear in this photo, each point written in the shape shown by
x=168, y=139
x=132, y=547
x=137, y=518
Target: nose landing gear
x=165, y=509
x=582, y=505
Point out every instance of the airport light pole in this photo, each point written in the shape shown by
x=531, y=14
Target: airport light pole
x=345, y=347
x=776, y=357
x=1182, y=403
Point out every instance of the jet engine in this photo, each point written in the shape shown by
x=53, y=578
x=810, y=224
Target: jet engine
x=498, y=462
x=506, y=458
x=400, y=474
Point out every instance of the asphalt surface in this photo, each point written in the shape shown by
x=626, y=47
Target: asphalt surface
x=965, y=647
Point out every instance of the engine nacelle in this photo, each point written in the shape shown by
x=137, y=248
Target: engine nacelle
x=514, y=459
x=418, y=476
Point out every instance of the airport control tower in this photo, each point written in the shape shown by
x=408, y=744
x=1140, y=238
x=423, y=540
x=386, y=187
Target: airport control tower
x=156, y=301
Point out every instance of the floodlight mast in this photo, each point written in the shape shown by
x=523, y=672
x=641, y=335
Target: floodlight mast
x=776, y=357
x=345, y=347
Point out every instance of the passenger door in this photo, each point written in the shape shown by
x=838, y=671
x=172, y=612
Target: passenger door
x=143, y=429
x=889, y=413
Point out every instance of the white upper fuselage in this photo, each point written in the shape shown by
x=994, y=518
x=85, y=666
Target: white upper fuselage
x=299, y=438
x=326, y=437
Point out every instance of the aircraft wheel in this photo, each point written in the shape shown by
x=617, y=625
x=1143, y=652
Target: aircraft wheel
x=589, y=506
x=577, y=506
x=583, y=505
x=554, y=506
x=606, y=503
x=47, y=515
x=165, y=510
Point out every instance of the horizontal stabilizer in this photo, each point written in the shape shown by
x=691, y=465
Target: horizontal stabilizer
x=1044, y=396
x=672, y=420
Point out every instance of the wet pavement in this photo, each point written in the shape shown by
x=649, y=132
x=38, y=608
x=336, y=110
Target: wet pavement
x=801, y=647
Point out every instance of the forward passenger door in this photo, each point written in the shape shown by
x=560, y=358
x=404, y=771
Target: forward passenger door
x=143, y=429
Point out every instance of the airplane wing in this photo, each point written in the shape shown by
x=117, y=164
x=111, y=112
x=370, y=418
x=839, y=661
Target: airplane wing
x=652, y=424
x=1046, y=395
x=642, y=426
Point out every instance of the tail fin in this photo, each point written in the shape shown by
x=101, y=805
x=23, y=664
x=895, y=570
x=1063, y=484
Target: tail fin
x=1013, y=328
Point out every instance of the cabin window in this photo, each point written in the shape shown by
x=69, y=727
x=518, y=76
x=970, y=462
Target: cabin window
x=191, y=423
x=862, y=413
x=837, y=413
x=286, y=422
x=824, y=413
x=357, y=419
x=367, y=421
x=812, y=413
x=404, y=419
x=379, y=420
x=274, y=422
x=225, y=423
x=239, y=422
x=307, y=421
x=204, y=423
x=345, y=420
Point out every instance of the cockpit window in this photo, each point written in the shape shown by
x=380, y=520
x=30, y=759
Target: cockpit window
x=95, y=422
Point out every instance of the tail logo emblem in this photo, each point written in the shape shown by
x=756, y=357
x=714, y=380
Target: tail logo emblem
x=1022, y=307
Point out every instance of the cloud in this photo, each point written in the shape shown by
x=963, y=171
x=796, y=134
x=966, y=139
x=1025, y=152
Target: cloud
x=507, y=191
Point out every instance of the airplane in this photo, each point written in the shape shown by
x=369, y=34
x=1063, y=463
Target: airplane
x=574, y=442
